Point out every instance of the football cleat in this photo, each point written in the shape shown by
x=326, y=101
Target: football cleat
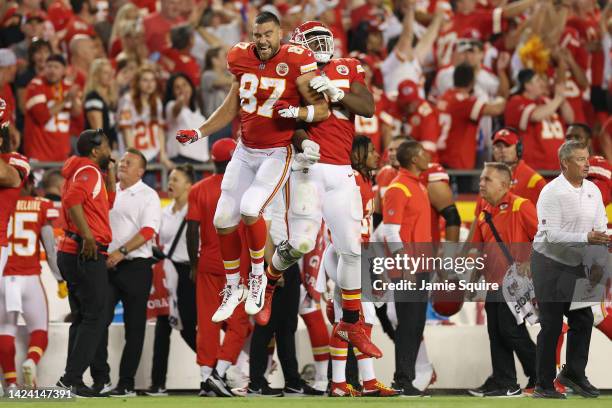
x=28, y=369
x=263, y=316
x=343, y=390
x=255, y=297
x=232, y=297
x=354, y=334
x=379, y=390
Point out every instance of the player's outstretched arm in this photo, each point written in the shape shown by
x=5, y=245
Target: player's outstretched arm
x=217, y=121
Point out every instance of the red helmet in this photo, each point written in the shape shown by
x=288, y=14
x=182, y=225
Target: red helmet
x=314, y=36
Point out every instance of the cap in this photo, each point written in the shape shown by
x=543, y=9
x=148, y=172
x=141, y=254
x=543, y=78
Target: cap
x=88, y=139
x=223, y=149
x=57, y=58
x=35, y=15
x=7, y=57
x=506, y=136
x=407, y=92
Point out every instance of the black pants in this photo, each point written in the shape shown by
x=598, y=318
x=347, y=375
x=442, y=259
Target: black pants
x=554, y=285
x=87, y=294
x=185, y=293
x=282, y=325
x=130, y=283
x=506, y=338
x=411, y=315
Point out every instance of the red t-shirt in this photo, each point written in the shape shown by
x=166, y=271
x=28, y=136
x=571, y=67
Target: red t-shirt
x=9, y=195
x=85, y=185
x=157, y=31
x=59, y=14
x=203, y=199
x=422, y=125
x=600, y=173
x=335, y=134
x=459, y=115
x=30, y=215
x=261, y=85
x=175, y=61
x=406, y=203
x=541, y=140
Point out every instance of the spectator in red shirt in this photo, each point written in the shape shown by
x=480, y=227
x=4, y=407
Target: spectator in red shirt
x=178, y=58
x=82, y=22
x=51, y=101
x=158, y=25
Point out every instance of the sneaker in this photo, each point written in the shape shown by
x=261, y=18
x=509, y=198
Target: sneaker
x=354, y=334
x=488, y=386
x=343, y=390
x=264, y=391
x=79, y=390
x=263, y=316
x=321, y=386
x=28, y=369
x=425, y=377
x=255, y=298
x=410, y=390
x=205, y=390
x=102, y=388
x=121, y=391
x=379, y=390
x=580, y=386
x=300, y=390
x=505, y=392
x=218, y=386
x=530, y=387
x=232, y=297
x=540, y=392
x=559, y=387
x=156, y=391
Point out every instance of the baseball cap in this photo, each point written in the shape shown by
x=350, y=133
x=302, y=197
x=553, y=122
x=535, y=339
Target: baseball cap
x=407, y=92
x=35, y=15
x=88, y=139
x=507, y=136
x=57, y=58
x=223, y=149
x=7, y=57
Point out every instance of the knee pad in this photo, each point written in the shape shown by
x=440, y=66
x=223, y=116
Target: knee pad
x=305, y=200
x=226, y=214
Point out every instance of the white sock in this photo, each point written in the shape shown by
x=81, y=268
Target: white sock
x=233, y=279
x=222, y=366
x=339, y=371
x=257, y=269
x=205, y=372
x=321, y=370
x=366, y=369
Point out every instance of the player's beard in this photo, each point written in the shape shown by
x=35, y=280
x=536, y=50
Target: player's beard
x=104, y=162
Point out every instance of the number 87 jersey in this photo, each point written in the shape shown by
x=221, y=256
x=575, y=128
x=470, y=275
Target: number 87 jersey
x=262, y=83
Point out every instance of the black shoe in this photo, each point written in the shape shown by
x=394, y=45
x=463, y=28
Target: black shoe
x=580, y=386
x=205, y=390
x=157, y=391
x=218, y=386
x=79, y=390
x=488, y=386
x=102, y=388
x=122, y=391
x=505, y=392
x=409, y=390
x=551, y=393
x=300, y=389
x=264, y=391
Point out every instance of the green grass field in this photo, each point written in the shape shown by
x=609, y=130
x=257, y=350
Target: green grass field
x=323, y=402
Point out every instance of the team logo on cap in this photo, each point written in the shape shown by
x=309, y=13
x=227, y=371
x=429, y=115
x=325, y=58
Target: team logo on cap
x=282, y=69
x=342, y=69
x=503, y=206
x=416, y=121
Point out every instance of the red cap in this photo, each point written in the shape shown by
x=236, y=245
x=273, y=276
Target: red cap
x=507, y=136
x=407, y=92
x=35, y=15
x=223, y=149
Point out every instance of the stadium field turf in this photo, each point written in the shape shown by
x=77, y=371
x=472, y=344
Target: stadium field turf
x=322, y=402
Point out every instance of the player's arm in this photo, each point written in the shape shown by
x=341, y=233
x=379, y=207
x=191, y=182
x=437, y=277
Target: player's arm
x=495, y=107
x=217, y=121
x=193, y=244
x=441, y=198
x=394, y=202
x=320, y=107
x=9, y=176
x=359, y=101
x=47, y=238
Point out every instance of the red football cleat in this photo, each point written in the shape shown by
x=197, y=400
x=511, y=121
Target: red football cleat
x=354, y=334
x=263, y=316
x=379, y=390
x=343, y=390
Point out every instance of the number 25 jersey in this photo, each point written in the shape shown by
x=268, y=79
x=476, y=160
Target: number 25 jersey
x=262, y=83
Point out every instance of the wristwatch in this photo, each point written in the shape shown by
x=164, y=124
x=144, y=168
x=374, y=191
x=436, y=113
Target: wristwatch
x=123, y=250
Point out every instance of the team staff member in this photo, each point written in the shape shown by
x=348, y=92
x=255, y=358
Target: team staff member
x=570, y=213
x=407, y=219
x=514, y=218
x=213, y=357
x=86, y=200
x=134, y=219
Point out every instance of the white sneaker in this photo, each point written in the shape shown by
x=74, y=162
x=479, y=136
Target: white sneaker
x=255, y=298
x=320, y=385
x=28, y=369
x=232, y=297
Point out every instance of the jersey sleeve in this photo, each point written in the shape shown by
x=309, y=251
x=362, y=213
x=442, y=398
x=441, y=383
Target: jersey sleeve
x=472, y=108
x=234, y=55
x=302, y=60
x=429, y=128
x=437, y=173
x=193, y=209
x=357, y=72
x=36, y=102
x=93, y=103
x=529, y=218
x=518, y=113
x=394, y=202
x=48, y=212
x=19, y=163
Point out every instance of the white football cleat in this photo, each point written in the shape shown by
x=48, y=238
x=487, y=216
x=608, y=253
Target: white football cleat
x=255, y=298
x=232, y=297
x=28, y=369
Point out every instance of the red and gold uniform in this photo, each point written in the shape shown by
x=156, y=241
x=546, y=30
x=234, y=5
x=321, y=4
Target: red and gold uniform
x=459, y=116
x=541, y=140
x=9, y=195
x=46, y=137
x=600, y=173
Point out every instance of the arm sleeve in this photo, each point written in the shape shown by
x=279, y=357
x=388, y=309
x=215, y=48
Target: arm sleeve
x=48, y=240
x=36, y=106
x=550, y=220
x=394, y=202
x=21, y=164
x=93, y=103
x=358, y=73
x=529, y=218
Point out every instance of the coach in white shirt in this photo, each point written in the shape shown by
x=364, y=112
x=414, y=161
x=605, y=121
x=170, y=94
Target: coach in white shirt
x=135, y=219
x=571, y=216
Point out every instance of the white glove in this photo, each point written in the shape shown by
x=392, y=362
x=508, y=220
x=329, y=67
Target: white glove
x=300, y=162
x=323, y=84
x=310, y=151
x=286, y=111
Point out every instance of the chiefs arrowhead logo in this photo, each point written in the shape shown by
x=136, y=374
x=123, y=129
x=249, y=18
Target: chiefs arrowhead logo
x=282, y=69
x=342, y=69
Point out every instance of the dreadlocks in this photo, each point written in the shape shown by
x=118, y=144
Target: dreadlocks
x=359, y=155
